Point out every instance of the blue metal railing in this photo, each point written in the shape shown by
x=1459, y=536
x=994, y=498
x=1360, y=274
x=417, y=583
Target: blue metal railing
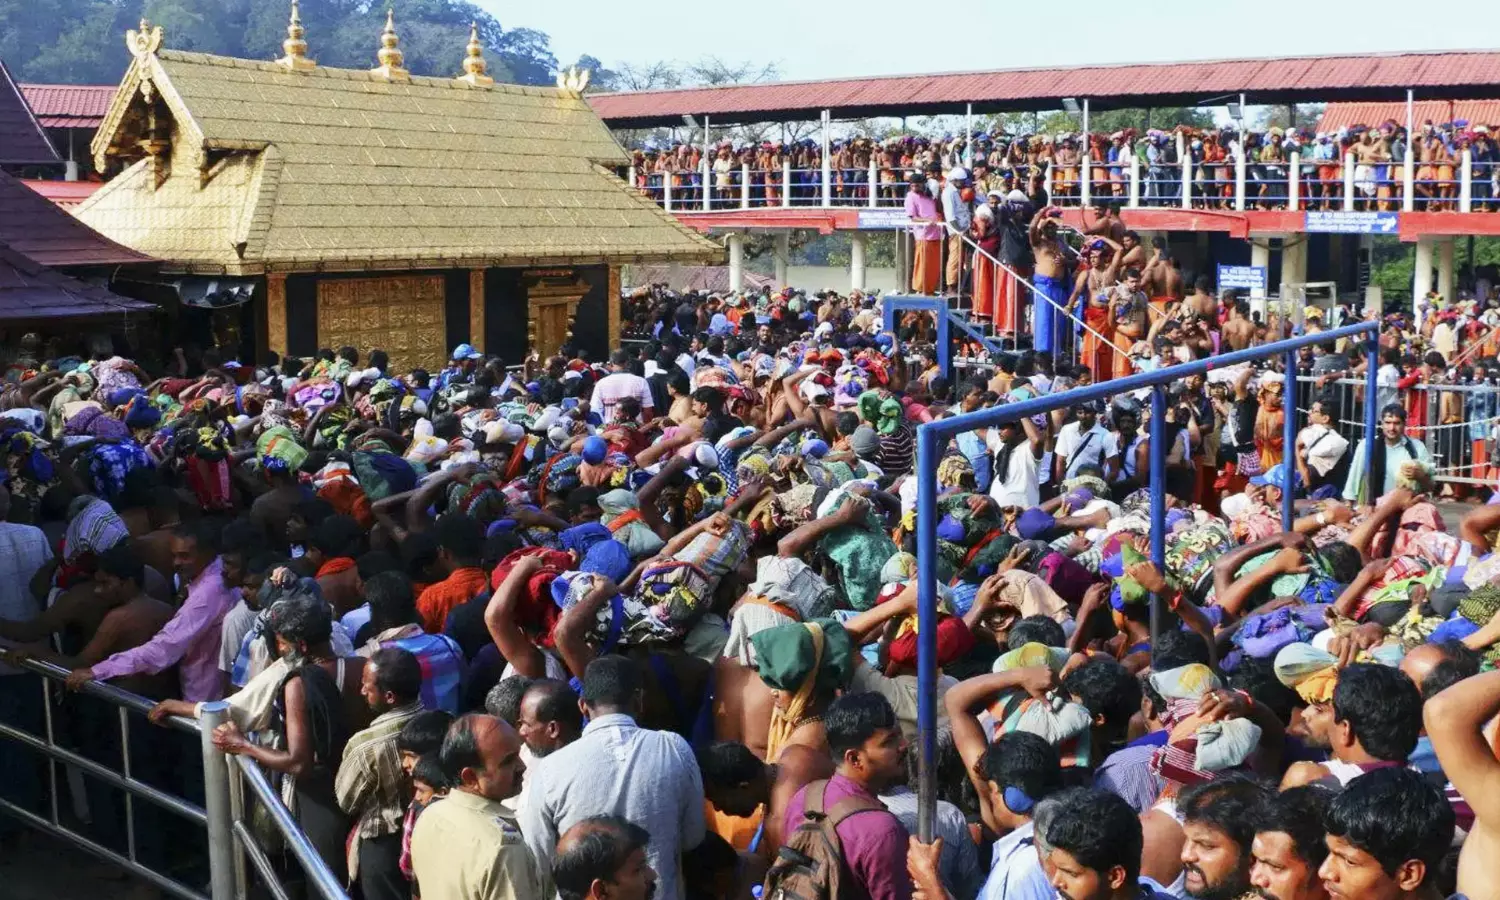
x=933, y=436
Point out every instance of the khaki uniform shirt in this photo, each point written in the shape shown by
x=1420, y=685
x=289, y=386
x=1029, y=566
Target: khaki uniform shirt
x=469, y=848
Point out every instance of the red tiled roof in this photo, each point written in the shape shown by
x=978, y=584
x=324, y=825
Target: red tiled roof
x=66, y=194
x=22, y=142
x=33, y=225
x=30, y=290
x=1368, y=76
x=1475, y=112
x=69, y=105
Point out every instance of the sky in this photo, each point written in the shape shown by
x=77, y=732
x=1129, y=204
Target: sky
x=811, y=39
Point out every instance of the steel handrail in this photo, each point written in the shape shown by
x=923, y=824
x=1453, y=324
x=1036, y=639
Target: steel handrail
x=1033, y=288
x=312, y=864
x=214, y=816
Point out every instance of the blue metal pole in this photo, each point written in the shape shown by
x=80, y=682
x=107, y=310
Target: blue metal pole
x=927, y=459
x=1289, y=437
x=1372, y=419
x=944, y=349
x=1011, y=412
x=1158, y=448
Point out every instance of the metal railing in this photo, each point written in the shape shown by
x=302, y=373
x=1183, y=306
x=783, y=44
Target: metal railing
x=932, y=438
x=1459, y=424
x=224, y=815
x=1299, y=181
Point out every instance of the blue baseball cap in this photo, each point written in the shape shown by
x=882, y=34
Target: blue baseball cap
x=1277, y=476
x=466, y=351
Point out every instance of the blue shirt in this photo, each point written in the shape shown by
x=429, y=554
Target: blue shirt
x=1016, y=871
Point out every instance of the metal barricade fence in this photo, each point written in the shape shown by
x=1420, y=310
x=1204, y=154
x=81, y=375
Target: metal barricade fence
x=932, y=438
x=224, y=816
x=1458, y=423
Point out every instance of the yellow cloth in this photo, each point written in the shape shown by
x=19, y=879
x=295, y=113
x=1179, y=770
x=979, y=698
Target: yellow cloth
x=784, y=719
x=1318, y=687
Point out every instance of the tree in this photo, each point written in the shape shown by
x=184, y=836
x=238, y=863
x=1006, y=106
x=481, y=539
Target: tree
x=82, y=41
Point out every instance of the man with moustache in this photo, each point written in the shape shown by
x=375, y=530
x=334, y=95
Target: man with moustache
x=1218, y=825
x=1288, y=847
x=469, y=847
x=1387, y=834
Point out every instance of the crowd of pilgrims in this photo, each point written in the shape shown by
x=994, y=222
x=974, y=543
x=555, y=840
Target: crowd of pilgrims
x=645, y=627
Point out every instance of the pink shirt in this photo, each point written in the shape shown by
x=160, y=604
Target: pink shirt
x=921, y=206
x=874, y=844
x=190, y=638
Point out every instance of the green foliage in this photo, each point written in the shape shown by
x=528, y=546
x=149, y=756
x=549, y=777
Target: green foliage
x=82, y=41
x=1393, y=263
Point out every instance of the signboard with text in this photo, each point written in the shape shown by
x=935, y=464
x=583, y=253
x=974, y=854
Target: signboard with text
x=1242, y=278
x=883, y=218
x=1329, y=222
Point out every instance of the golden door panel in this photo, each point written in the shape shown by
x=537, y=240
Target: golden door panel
x=551, y=322
x=402, y=315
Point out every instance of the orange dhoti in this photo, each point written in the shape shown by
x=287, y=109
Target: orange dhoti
x=1098, y=353
x=927, y=266
x=1123, y=342
x=985, y=287
x=1010, y=300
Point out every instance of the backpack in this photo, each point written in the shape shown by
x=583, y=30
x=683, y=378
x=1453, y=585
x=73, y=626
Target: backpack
x=810, y=862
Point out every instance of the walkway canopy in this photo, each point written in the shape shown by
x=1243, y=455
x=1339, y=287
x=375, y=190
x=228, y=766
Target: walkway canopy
x=1448, y=75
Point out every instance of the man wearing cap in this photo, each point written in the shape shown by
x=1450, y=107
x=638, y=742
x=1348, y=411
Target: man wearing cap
x=960, y=218
x=927, y=236
x=461, y=370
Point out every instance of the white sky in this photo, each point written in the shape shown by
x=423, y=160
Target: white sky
x=821, y=39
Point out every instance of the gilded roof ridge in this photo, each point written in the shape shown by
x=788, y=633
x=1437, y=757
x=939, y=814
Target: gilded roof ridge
x=364, y=75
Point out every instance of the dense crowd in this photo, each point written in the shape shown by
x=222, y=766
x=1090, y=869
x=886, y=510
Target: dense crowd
x=1025, y=162
x=646, y=627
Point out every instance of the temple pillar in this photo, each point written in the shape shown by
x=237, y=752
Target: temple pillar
x=736, y=244
x=856, y=260
x=276, y=312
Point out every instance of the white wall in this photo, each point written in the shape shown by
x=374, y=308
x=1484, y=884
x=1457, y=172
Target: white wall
x=836, y=278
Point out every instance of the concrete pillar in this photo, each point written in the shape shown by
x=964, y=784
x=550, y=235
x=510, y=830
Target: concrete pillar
x=856, y=260
x=1422, y=276
x=1293, y=260
x=903, y=264
x=736, y=243
x=1445, y=270
x=783, y=256
x=1260, y=255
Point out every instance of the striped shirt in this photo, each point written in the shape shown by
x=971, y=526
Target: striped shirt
x=441, y=660
x=370, y=785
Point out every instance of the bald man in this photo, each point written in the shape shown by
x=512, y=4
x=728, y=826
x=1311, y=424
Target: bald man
x=603, y=858
x=469, y=847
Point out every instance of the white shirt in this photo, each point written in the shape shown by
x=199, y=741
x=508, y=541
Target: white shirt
x=1016, y=870
x=1386, y=378
x=23, y=550
x=1018, y=485
x=613, y=388
x=1324, y=447
x=1076, y=454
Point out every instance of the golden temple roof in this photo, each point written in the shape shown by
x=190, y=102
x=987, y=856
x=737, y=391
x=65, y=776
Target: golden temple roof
x=240, y=167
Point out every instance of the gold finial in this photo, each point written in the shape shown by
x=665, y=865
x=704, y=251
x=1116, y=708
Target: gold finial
x=144, y=42
x=573, y=81
x=294, y=46
x=390, y=55
x=474, y=64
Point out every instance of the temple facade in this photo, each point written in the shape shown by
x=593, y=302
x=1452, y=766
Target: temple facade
x=377, y=208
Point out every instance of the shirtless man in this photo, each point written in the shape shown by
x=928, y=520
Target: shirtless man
x=739, y=784
x=1239, y=331
x=1456, y=721
x=1371, y=156
x=814, y=402
x=1107, y=225
x=126, y=617
x=1135, y=252
x=1049, y=319
x=1201, y=301
x=1162, y=277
